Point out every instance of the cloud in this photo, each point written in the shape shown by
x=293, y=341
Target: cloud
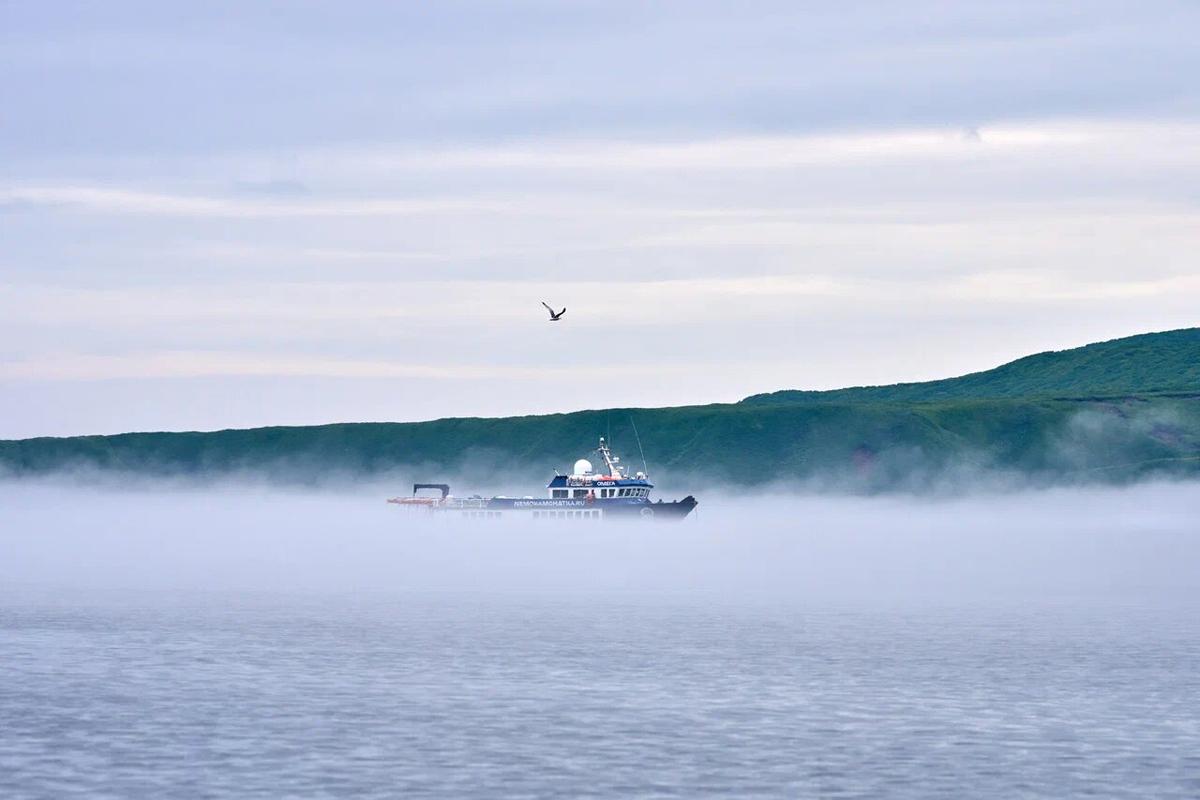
x=748, y=152
x=600, y=303
x=1035, y=287
x=192, y=364
x=277, y=188
x=860, y=173
x=130, y=81
x=128, y=201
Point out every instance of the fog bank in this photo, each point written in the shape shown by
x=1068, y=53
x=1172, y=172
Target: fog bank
x=1108, y=545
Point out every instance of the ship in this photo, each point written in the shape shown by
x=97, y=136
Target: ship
x=584, y=494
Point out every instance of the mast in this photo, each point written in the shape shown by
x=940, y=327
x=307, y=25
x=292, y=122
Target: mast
x=611, y=461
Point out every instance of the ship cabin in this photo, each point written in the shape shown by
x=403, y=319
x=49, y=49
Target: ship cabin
x=599, y=487
x=585, y=484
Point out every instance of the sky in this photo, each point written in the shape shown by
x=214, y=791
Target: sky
x=236, y=214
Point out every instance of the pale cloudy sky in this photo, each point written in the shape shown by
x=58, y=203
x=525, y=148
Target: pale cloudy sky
x=235, y=214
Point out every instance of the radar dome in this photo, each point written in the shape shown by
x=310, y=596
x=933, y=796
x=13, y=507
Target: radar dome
x=583, y=467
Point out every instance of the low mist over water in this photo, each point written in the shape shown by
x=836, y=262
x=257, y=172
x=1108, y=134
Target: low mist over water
x=237, y=642
x=1032, y=546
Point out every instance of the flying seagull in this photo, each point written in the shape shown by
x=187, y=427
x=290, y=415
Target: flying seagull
x=554, y=317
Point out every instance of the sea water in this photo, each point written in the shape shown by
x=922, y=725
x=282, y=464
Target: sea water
x=241, y=644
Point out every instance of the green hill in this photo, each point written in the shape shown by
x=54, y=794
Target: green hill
x=1148, y=364
x=1107, y=412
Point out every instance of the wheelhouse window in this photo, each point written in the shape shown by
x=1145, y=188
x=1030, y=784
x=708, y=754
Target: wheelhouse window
x=581, y=492
x=559, y=493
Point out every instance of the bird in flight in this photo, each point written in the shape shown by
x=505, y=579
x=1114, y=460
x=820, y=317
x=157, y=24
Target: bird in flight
x=555, y=316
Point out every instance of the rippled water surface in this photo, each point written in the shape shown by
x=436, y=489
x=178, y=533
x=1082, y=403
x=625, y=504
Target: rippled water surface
x=732, y=676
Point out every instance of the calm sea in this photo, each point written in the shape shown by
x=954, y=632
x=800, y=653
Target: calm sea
x=881, y=651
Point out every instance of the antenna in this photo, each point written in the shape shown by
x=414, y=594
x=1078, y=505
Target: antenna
x=645, y=469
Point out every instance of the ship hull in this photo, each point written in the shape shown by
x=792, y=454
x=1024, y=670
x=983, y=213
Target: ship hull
x=630, y=509
x=659, y=511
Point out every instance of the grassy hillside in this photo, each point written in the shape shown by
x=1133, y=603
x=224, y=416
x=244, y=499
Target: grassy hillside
x=1152, y=363
x=1083, y=417
x=859, y=446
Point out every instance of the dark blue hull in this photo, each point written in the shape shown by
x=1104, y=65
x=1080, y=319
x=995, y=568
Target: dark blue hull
x=611, y=508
